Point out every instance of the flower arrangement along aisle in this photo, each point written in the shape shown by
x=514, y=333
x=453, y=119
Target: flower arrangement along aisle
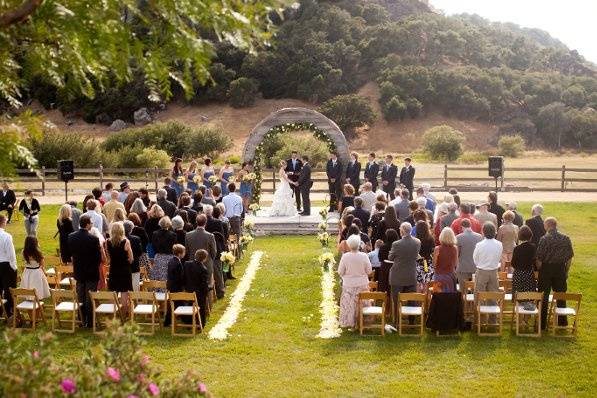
x=254, y=208
x=330, y=326
x=249, y=226
x=228, y=259
x=116, y=367
x=324, y=239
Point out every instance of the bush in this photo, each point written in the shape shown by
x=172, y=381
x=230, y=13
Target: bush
x=243, y=92
x=349, y=112
x=443, y=143
x=511, y=145
x=175, y=138
x=137, y=156
x=394, y=109
x=116, y=367
x=53, y=146
x=304, y=143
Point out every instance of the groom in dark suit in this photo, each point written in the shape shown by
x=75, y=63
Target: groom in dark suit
x=304, y=185
x=293, y=169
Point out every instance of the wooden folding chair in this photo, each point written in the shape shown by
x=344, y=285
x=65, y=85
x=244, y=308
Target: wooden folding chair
x=502, y=275
x=188, y=307
x=520, y=298
x=372, y=310
x=161, y=294
x=406, y=309
x=145, y=305
x=63, y=273
x=372, y=286
x=555, y=312
x=104, y=304
x=506, y=287
x=26, y=301
x=468, y=298
x=65, y=302
x=234, y=246
x=490, y=309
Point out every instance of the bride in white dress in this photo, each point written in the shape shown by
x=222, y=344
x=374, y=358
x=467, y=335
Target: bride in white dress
x=284, y=202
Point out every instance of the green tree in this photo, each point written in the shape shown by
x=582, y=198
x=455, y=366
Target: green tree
x=553, y=123
x=349, y=112
x=394, y=109
x=511, y=145
x=443, y=143
x=243, y=92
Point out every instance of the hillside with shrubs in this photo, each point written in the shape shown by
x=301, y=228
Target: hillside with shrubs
x=517, y=81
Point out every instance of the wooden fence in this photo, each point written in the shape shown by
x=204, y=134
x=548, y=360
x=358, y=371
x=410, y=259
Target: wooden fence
x=441, y=177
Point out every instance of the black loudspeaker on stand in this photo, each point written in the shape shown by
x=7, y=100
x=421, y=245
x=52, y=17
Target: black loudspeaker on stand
x=66, y=172
x=496, y=168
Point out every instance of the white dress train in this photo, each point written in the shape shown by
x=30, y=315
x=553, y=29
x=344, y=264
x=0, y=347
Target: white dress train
x=284, y=201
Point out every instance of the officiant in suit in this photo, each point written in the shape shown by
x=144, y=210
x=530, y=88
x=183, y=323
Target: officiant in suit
x=7, y=200
x=372, y=171
x=334, y=173
x=304, y=185
x=353, y=172
x=389, y=172
x=407, y=176
x=293, y=168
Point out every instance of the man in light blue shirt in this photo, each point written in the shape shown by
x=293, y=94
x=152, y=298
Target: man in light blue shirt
x=234, y=209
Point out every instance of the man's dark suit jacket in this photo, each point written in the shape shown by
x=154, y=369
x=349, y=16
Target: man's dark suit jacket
x=390, y=176
x=536, y=225
x=196, y=278
x=168, y=206
x=364, y=216
x=295, y=170
x=86, y=255
x=137, y=249
x=407, y=177
x=371, y=173
x=171, y=194
x=353, y=171
x=175, y=281
x=7, y=199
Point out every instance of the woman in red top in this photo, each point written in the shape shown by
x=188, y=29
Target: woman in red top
x=445, y=260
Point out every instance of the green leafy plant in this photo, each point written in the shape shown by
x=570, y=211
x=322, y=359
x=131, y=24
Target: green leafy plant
x=511, y=145
x=443, y=143
x=349, y=112
x=243, y=92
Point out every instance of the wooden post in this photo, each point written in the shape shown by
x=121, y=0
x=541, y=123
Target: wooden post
x=445, y=177
x=43, y=181
x=101, y=175
x=274, y=179
x=563, y=188
x=146, y=178
x=156, y=179
x=502, y=177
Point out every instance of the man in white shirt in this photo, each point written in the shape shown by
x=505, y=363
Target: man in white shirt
x=97, y=220
x=368, y=196
x=487, y=255
x=8, y=265
x=234, y=209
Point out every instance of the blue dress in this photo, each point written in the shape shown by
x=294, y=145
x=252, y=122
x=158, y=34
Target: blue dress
x=206, y=176
x=179, y=188
x=192, y=185
x=246, y=189
x=225, y=176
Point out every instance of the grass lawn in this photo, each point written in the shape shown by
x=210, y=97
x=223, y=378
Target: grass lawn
x=273, y=350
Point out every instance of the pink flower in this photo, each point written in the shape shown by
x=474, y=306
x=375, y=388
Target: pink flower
x=141, y=378
x=202, y=389
x=145, y=360
x=35, y=354
x=68, y=386
x=114, y=374
x=132, y=396
x=153, y=389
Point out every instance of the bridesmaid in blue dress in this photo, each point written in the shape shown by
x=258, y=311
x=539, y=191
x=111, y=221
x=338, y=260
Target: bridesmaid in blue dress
x=177, y=172
x=226, y=172
x=246, y=188
x=207, y=172
x=191, y=174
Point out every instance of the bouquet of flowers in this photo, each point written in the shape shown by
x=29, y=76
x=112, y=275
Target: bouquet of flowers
x=254, y=208
x=213, y=180
x=231, y=179
x=323, y=226
x=180, y=180
x=327, y=260
x=324, y=239
x=197, y=179
x=249, y=226
x=227, y=259
x=323, y=213
x=246, y=239
x=250, y=177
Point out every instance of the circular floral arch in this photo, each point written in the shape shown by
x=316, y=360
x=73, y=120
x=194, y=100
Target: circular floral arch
x=287, y=120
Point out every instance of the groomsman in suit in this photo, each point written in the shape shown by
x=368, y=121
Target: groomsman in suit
x=388, y=176
x=304, y=185
x=7, y=200
x=407, y=175
x=293, y=168
x=372, y=171
x=334, y=173
x=353, y=172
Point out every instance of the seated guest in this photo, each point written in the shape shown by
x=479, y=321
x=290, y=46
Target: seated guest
x=448, y=219
x=403, y=274
x=120, y=258
x=361, y=213
x=524, y=258
x=445, y=260
x=345, y=223
x=366, y=241
x=419, y=215
x=119, y=216
x=162, y=241
x=171, y=194
x=347, y=198
x=429, y=203
x=421, y=206
x=144, y=196
x=353, y=230
x=508, y=235
x=216, y=194
x=178, y=227
x=467, y=241
x=535, y=223
x=184, y=216
x=196, y=280
x=125, y=190
x=34, y=276
x=138, y=230
x=233, y=209
x=483, y=215
x=354, y=269
x=197, y=198
x=8, y=199
x=75, y=214
x=368, y=196
x=107, y=192
x=175, y=281
x=185, y=204
x=137, y=249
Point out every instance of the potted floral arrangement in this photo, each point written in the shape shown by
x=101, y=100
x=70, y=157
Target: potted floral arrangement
x=249, y=226
x=323, y=226
x=245, y=240
x=324, y=239
x=327, y=260
x=323, y=213
x=254, y=208
x=228, y=259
